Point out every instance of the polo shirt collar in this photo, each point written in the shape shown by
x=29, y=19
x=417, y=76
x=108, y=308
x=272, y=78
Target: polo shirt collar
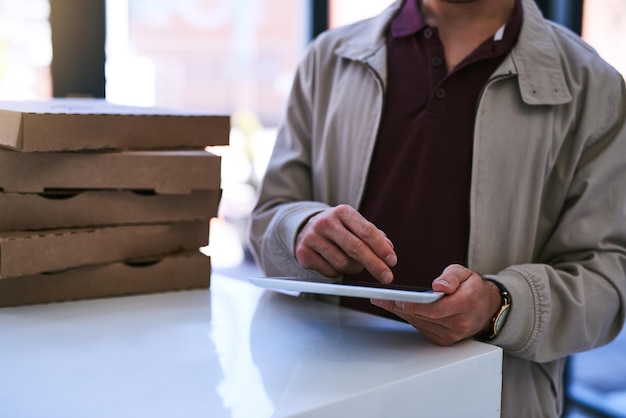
x=409, y=21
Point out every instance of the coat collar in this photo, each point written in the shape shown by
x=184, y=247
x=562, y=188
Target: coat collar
x=535, y=59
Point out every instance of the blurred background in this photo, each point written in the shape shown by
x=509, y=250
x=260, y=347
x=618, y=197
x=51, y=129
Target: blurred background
x=238, y=57
x=233, y=57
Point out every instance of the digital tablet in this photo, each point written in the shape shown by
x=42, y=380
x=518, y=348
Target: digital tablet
x=359, y=290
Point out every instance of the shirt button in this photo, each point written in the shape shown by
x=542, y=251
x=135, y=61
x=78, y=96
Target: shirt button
x=428, y=33
x=436, y=61
x=440, y=93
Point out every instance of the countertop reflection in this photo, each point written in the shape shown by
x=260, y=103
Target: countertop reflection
x=232, y=351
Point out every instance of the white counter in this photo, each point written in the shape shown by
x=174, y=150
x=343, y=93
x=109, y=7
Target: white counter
x=233, y=351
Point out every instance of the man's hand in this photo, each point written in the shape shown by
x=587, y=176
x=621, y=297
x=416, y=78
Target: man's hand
x=469, y=304
x=340, y=241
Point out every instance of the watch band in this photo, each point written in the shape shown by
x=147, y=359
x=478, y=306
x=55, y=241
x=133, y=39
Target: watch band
x=497, y=322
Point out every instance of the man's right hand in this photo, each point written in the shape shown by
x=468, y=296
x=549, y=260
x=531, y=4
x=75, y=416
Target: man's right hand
x=340, y=241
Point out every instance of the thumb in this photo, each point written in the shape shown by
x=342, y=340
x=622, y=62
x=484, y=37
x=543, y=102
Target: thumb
x=451, y=278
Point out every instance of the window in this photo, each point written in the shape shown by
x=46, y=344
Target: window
x=604, y=28
x=25, y=50
x=342, y=12
x=224, y=56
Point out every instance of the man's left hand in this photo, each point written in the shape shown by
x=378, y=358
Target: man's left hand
x=467, y=308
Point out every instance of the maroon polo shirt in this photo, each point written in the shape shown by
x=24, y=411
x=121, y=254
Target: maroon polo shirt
x=418, y=186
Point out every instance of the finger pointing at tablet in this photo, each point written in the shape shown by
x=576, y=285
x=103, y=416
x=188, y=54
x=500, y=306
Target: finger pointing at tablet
x=340, y=241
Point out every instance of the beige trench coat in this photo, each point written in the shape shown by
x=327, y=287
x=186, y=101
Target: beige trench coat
x=548, y=211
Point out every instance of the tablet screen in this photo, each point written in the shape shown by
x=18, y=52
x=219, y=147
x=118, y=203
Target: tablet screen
x=360, y=290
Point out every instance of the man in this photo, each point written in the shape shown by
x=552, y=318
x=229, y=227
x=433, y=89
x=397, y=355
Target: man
x=472, y=146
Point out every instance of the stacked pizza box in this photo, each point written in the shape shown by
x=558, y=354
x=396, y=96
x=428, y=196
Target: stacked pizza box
x=102, y=200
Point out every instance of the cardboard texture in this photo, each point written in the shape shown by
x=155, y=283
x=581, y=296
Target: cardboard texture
x=102, y=208
x=161, y=171
x=94, y=124
x=183, y=271
x=26, y=253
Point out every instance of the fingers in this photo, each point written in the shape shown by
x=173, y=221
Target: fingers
x=333, y=264
x=340, y=240
x=441, y=331
x=364, y=242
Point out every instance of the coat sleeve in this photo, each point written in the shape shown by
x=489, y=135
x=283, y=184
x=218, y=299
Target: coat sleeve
x=574, y=297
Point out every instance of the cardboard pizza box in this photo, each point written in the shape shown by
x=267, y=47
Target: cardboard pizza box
x=74, y=209
x=32, y=252
x=159, y=171
x=182, y=271
x=95, y=124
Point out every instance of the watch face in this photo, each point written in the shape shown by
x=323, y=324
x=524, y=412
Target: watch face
x=501, y=318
